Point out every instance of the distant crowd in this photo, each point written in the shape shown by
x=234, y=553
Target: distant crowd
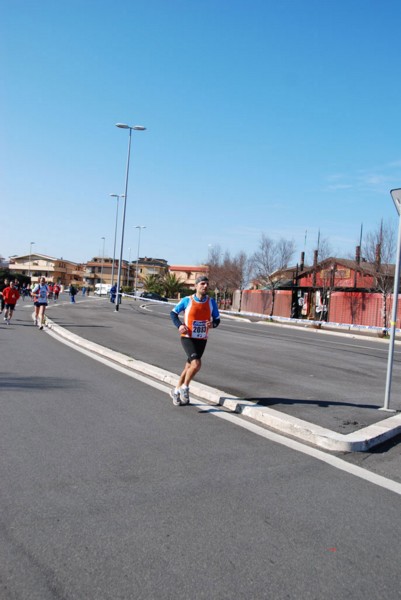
x=54, y=289
x=25, y=290
x=40, y=293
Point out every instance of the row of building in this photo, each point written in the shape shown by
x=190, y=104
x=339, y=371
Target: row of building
x=334, y=289
x=100, y=270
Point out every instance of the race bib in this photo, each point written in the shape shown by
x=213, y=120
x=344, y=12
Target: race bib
x=199, y=330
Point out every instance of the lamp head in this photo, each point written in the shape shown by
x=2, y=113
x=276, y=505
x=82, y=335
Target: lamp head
x=135, y=127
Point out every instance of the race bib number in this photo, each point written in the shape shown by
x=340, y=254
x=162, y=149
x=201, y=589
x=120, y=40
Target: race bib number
x=199, y=330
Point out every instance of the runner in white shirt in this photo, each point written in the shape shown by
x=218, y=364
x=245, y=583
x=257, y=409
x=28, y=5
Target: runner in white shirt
x=40, y=294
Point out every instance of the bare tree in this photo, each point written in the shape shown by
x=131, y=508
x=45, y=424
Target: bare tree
x=214, y=264
x=379, y=249
x=227, y=273
x=324, y=250
x=271, y=257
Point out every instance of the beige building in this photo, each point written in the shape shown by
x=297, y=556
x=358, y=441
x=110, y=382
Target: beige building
x=187, y=274
x=100, y=270
x=147, y=267
x=55, y=270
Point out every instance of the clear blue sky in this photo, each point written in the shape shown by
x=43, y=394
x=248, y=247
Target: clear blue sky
x=262, y=116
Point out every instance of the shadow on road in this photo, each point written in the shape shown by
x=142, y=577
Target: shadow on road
x=320, y=403
x=10, y=382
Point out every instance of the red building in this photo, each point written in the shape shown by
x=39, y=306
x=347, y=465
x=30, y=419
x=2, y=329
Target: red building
x=338, y=290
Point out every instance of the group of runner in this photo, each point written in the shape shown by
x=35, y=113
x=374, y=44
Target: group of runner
x=40, y=293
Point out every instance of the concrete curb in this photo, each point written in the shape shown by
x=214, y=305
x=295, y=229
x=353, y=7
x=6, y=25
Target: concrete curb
x=358, y=441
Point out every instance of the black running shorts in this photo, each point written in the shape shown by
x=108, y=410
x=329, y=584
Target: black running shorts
x=193, y=348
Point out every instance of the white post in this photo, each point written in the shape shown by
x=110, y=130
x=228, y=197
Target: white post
x=396, y=195
x=139, y=227
x=101, y=270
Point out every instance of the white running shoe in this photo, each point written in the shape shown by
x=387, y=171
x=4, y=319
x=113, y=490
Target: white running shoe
x=176, y=397
x=184, y=393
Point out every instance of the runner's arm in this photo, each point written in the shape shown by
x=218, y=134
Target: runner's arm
x=215, y=314
x=175, y=319
x=178, y=308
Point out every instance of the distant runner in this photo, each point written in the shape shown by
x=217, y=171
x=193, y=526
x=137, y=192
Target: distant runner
x=40, y=295
x=10, y=296
x=200, y=314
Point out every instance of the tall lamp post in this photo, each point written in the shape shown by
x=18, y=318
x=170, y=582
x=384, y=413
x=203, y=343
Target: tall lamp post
x=118, y=196
x=139, y=227
x=128, y=270
x=30, y=254
x=101, y=270
x=135, y=128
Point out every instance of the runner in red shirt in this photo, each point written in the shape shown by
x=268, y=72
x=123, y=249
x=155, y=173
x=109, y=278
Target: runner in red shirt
x=56, y=291
x=10, y=295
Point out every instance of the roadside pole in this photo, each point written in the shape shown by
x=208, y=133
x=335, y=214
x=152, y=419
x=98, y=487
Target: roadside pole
x=396, y=196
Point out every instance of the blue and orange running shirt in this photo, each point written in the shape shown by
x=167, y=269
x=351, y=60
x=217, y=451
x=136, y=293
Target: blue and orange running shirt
x=197, y=314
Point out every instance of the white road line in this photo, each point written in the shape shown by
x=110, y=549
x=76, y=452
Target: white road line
x=235, y=419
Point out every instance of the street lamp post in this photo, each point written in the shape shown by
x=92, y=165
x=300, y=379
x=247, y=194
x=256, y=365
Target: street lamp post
x=135, y=128
x=30, y=254
x=118, y=196
x=101, y=270
x=128, y=270
x=139, y=227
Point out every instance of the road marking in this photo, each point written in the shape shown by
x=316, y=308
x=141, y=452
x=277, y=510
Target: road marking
x=235, y=419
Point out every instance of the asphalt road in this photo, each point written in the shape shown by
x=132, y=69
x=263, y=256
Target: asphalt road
x=297, y=371
x=109, y=492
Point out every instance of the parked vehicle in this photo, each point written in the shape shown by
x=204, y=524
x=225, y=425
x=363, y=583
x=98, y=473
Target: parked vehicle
x=153, y=296
x=102, y=289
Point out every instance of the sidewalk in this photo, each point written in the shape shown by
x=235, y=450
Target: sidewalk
x=327, y=418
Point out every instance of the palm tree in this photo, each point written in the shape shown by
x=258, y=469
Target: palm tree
x=153, y=283
x=172, y=285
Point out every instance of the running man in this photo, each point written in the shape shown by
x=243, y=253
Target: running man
x=10, y=296
x=56, y=291
x=200, y=314
x=40, y=294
